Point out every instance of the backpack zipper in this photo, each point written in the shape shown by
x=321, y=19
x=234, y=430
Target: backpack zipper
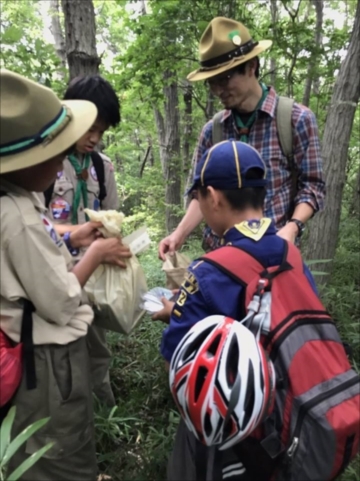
x=310, y=404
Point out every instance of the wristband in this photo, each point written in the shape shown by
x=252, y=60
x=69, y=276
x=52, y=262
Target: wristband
x=66, y=239
x=300, y=225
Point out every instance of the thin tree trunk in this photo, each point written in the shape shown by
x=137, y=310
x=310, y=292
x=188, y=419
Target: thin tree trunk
x=186, y=154
x=210, y=108
x=80, y=39
x=274, y=19
x=310, y=80
x=56, y=30
x=355, y=203
x=169, y=140
x=325, y=228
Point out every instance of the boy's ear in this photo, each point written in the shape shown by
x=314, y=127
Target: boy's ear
x=214, y=197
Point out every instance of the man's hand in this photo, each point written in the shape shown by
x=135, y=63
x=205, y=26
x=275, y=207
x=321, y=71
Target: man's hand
x=85, y=234
x=170, y=244
x=164, y=314
x=289, y=232
x=190, y=221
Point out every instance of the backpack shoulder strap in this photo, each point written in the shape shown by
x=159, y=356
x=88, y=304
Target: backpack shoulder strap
x=217, y=132
x=284, y=125
x=231, y=261
x=48, y=194
x=284, y=128
x=98, y=163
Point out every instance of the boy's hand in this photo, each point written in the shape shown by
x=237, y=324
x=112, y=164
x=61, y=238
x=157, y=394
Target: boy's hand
x=164, y=314
x=111, y=251
x=85, y=234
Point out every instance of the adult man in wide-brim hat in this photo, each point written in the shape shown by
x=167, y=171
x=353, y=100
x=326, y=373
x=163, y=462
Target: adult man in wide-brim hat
x=229, y=64
x=41, y=300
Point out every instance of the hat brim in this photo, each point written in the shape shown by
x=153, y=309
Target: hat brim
x=201, y=74
x=84, y=114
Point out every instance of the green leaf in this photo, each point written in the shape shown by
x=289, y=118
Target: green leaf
x=12, y=35
x=319, y=273
x=6, y=431
x=315, y=261
x=20, y=470
x=21, y=438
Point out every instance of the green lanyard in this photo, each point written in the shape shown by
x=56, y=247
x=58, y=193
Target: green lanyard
x=82, y=174
x=244, y=129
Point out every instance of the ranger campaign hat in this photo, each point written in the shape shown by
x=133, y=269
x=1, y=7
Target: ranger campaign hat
x=225, y=165
x=34, y=124
x=225, y=44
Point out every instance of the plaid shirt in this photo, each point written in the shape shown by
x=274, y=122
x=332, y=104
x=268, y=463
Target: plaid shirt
x=263, y=136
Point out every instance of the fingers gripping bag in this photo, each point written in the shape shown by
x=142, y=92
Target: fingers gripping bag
x=116, y=293
x=175, y=268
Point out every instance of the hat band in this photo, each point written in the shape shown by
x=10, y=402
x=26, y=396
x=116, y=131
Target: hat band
x=45, y=136
x=227, y=57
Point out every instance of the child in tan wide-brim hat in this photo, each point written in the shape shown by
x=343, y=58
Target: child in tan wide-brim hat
x=39, y=286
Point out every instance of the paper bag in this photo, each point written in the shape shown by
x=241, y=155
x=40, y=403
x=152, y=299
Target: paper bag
x=116, y=293
x=175, y=268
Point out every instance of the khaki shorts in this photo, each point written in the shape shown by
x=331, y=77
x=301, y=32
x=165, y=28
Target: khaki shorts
x=63, y=393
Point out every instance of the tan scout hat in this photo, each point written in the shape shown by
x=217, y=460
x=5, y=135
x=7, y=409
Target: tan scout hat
x=35, y=125
x=224, y=45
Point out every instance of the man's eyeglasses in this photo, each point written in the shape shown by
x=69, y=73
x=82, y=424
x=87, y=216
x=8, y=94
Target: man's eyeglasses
x=220, y=80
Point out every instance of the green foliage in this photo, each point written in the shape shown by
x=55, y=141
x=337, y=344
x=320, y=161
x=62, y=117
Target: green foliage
x=23, y=48
x=8, y=449
x=134, y=440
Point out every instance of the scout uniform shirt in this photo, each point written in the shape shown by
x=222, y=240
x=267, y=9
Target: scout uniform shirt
x=207, y=291
x=35, y=265
x=64, y=190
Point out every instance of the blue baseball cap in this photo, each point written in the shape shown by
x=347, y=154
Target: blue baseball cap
x=224, y=166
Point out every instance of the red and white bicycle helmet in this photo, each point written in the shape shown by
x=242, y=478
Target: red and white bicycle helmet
x=222, y=381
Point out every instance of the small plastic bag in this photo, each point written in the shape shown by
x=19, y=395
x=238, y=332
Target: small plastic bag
x=116, y=293
x=175, y=268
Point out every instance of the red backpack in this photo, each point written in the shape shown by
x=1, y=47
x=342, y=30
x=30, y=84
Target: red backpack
x=314, y=429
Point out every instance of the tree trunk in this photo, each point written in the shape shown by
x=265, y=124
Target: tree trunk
x=274, y=19
x=80, y=39
x=355, y=203
x=325, y=228
x=57, y=32
x=186, y=154
x=209, y=109
x=169, y=140
x=310, y=80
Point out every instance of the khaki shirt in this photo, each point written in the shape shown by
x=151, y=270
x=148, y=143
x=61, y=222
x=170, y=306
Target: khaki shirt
x=35, y=264
x=64, y=191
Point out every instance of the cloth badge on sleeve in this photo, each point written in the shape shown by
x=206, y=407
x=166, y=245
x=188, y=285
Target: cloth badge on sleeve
x=60, y=209
x=60, y=174
x=254, y=229
x=50, y=230
x=93, y=173
x=190, y=284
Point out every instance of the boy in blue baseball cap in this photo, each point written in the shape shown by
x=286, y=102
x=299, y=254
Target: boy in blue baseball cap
x=231, y=183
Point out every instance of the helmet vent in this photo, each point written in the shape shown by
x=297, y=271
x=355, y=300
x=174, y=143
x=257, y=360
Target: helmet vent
x=232, y=362
x=214, y=345
x=250, y=396
x=200, y=380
